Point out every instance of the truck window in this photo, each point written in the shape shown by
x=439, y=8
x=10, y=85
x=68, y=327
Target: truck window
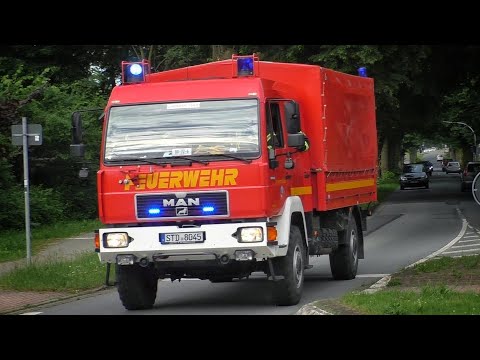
x=275, y=124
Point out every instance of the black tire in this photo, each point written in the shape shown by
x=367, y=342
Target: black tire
x=344, y=260
x=288, y=291
x=221, y=279
x=137, y=286
x=462, y=187
x=427, y=186
x=402, y=187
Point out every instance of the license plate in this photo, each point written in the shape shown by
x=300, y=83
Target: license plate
x=183, y=238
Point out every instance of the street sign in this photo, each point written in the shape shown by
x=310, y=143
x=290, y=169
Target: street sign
x=34, y=132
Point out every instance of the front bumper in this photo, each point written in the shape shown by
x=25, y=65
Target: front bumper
x=414, y=183
x=218, y=242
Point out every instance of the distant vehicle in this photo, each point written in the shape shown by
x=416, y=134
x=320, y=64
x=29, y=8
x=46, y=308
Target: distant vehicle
x=439, y=157
x=471, y=170
x=453, y=167
x=414, y=175
x=444, y=163
x=429, y=167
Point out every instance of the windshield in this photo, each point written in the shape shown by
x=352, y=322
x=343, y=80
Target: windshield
x=413, y=168
x=183, y=129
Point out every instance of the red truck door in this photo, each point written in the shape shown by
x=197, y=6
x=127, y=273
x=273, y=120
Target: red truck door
x=279, y=178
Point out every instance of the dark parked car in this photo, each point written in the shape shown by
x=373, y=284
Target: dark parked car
x=429, y=166
x=414, y=175
x=471, y=170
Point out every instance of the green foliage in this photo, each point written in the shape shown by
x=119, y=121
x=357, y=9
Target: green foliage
x=388, y=177
x=46, y=207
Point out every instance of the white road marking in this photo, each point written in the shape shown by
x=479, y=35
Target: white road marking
x=371, y=275
x=450, y=244
x=470, y=236
x=33, y=313
x=461, y=251
x=464, y=246
x=464, y=241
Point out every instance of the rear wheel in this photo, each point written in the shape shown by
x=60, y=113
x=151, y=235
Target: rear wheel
x=427, y=186
x=344, y=261
x=288, y=291
x=137, y=286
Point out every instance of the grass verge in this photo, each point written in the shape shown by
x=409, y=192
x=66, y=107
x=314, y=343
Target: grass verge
x=83, y=273
x=13, y=243
x=444, y=286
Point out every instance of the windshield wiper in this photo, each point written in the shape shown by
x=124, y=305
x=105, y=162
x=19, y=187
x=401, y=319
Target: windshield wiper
x=204, y=162
x=145, y=160
x=248, y=161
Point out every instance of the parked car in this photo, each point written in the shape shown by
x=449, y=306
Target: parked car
x=429, y=166
x=453, y=167
x=471, y=170
x=439, y=157
x=414, y=175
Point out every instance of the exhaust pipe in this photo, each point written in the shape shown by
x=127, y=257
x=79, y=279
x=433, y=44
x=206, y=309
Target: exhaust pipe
x=224, y=259
x=143, y=262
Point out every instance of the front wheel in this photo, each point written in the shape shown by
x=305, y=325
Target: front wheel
x=288, y=291
x=344, y=261
x=137, y=286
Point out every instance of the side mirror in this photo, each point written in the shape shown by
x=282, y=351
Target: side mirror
x=77, y=150
x=296, y=140
x=77, y=131
x=272, y=160
x=292, y=116
x=83, y=173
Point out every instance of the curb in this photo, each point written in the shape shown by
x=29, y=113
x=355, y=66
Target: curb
x=33, y=306
x=311, y=309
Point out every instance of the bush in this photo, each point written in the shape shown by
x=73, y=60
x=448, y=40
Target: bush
x=388, y=177
x=46, y=207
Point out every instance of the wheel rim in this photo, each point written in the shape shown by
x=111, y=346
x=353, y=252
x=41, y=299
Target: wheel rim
x=353, y=244
x=298, y=266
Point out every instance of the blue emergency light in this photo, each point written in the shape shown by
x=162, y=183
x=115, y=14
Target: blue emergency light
x=362, y=71
x=134, y=72
x=153, y=211
x=245, y=66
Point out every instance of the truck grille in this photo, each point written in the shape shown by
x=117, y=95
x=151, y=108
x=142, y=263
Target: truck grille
x=182, y=205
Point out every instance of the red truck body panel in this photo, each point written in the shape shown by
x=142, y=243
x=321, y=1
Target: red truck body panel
x=337, y=113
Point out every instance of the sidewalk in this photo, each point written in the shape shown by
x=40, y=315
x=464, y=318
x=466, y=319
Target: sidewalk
x=63, y=249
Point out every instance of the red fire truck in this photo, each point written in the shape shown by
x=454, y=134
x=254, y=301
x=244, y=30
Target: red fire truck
x=219, y=170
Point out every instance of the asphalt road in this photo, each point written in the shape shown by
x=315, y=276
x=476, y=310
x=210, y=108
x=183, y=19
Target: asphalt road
x=412, y=224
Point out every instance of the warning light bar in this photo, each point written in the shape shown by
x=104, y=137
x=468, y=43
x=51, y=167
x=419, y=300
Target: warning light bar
x=245, y=65
x=134, y=72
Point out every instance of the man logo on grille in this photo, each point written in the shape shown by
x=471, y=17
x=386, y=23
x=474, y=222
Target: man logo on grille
x=181, y=211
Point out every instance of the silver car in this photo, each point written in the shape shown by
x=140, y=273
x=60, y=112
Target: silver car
x=453, y=167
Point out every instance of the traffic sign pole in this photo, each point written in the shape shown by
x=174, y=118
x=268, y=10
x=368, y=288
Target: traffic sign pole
x=26, y=186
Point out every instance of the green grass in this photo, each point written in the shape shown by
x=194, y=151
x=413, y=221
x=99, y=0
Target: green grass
x=466, y=262
x=13, y=243
x=437, y=300
x=384, y=189
x=83, y=273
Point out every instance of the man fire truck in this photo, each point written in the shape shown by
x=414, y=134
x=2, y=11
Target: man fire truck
x=189, y=186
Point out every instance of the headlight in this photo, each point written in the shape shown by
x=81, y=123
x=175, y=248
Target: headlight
x=403, y=178
x=115, y=240
x=250, y=234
